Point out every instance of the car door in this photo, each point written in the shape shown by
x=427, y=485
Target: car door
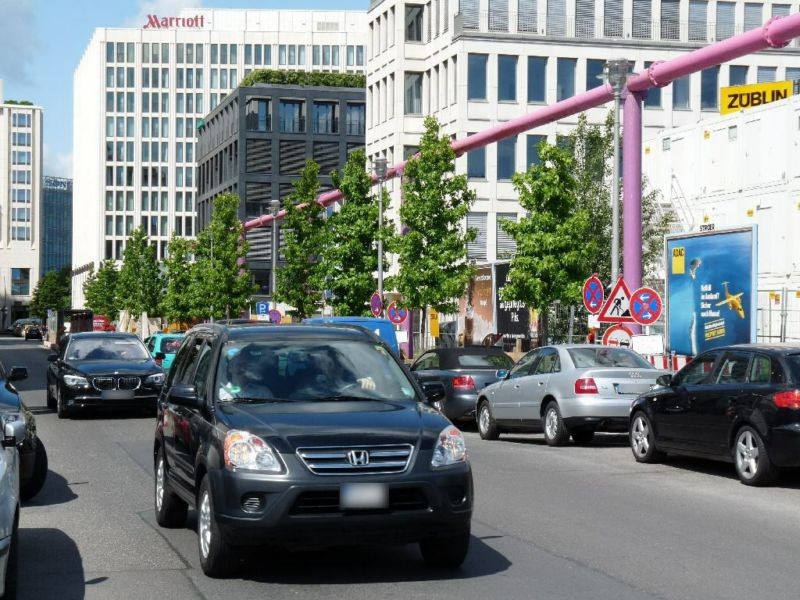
x=506, y=397
x=534, y=387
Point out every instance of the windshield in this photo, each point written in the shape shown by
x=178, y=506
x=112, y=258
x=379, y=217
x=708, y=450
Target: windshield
x=309, y=370
x=110, y=348
x=488, y=361
x=607, y=357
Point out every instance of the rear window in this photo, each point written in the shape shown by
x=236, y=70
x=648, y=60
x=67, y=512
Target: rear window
x=607, y=357
x=493, y=361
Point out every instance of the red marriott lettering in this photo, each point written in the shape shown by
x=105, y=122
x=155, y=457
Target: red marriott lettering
x=156, y=22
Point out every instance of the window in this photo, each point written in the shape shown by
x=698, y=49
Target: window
x=413, y=94
x=653, y=95
x=498, y=15
x=733, y=369
x=642, y=19
x=257, y=117
x=292, y=116
x=20, y=280
x=360, y=56
x=537, y=66
x=534, y=141
x=584, y=17
x=766, y=74
x=698, y=371
x=476, y=249
x=506, y=158
x=413, y=23
x=709, y=88
x=556, y=17
x=752, y=15
x=670, y=24
x=737, y=75
x=506, y=78
x=594, y=72
x=476, y=163
x=506, y=246
x=612, y=18
x=356, y=118
x=781, y=10
x=792, y=73
x=725, y=20
x=565, y=78
x=476, y=76
x=351, y=56
x=325, y=117
x=680, y=93
x=282, y=54
x=698, y=19
x=548, y=363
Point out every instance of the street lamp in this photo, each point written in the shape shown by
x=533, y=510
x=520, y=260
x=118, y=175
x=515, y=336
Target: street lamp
x=274, y=208
x=379, y=164
x=616, y=74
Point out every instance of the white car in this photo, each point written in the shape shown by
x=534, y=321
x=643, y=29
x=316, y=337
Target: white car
x=13, y=433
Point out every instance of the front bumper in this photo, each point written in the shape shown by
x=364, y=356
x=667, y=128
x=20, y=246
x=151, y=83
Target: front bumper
x=304, y=512
x=83, y=398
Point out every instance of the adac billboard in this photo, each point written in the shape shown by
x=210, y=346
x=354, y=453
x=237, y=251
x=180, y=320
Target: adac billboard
x=711, y=289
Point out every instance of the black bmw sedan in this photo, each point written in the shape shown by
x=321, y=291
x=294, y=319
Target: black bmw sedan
x=102, y=370
x=738, y=404
x=304, y=436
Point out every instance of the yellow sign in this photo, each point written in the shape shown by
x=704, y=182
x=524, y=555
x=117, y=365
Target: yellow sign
x=433, y=319
x=736, y=98
x=679, y=261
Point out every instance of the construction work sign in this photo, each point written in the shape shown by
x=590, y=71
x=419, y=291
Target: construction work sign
x=736, y=98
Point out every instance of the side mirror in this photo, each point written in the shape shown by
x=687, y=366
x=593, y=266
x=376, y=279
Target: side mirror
x=434, y=391
x=185, y=395
x=501, y=374
x=13, y=432
x=664, y=380
x=18, y=373
x=52, y=358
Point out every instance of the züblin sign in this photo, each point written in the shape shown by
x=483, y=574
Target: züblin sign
x=733, y=99
x=156, y=22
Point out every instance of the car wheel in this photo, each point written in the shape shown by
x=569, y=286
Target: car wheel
x=583, y=437
x=170, y=509
x=216, y=555
x=51, y=401
x=642, y=440
x=753, y=465
x=487, y=428
x=61, y=407
x=447, y=553
x=555, y=433
x=33, y=486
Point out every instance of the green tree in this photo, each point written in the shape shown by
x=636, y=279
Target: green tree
x=301, y=280
x=139, y=284
x=222, y=285
x=52, y=291
x=178, y=273
x=432, y=255
x=100, y=290
x=350, y=258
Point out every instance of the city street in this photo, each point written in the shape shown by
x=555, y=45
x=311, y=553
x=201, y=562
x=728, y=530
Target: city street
x=569, y=523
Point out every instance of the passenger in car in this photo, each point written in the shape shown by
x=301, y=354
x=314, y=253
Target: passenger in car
x=252, y=372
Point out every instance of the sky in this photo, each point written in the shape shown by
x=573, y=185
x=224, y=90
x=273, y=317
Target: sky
x=42, y=41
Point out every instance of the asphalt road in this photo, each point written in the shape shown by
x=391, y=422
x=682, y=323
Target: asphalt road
x=565, y=523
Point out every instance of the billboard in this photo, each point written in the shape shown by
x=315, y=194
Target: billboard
x=711, y=289
x=736, y=98
x=477, y=308
x=513, y=317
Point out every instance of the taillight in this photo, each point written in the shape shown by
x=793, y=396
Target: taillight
x=463, y=382
x=585, y=385
x=787, y=399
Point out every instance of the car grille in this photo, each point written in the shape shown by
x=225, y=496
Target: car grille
x=327, y=502
x=336, y=460
x=116, y=383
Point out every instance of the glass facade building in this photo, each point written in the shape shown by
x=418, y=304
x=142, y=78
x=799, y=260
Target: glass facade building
x=56, y=225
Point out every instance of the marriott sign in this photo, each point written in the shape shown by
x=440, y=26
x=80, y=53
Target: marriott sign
x=156, y=22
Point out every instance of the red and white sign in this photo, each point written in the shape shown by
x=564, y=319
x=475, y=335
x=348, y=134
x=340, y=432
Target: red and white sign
x=673, y=362
x=593, y=295
x=617, y=335
x=646, y=306
x=617, y=308
x=156, y=22
x=396, y=314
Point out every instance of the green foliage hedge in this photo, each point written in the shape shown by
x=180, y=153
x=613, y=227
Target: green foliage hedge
x=19, y=102
x=310, y=78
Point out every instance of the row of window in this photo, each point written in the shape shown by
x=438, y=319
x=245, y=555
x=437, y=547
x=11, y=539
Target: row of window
x=122, y=52
x=124, y=102
x=291, y=116
x=21, y=195
x=192, y=78
x=20, y=176
x=21, y=215
x=122, y=176
x=20, y=234
x=119, y=201
x=20, y=157
x=19, y=138
x=124, y=152
x=154, y=226
x=422, y=23
x=21, y=119
x=150, y=102
x=122, y=77
x=151, y=78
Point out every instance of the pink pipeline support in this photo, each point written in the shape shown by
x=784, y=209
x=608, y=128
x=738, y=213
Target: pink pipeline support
x=632, y=194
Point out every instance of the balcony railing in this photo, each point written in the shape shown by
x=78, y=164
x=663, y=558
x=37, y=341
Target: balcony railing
x=330, y=125
x=297, y=125
x=356, y=127
x=253, y=123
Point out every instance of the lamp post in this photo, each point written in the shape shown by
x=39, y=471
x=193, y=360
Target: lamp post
x=274, y=208
x=379, y=164
x=616, y=74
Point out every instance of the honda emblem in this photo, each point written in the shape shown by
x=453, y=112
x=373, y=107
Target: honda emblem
x=358, y=458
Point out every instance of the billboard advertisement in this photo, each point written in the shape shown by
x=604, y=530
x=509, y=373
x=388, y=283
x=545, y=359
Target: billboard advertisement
x=477, y=308
x=711, y=289
x=513, y=317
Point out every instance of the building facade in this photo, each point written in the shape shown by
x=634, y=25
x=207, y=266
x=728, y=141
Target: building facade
x=56, y=224
x=20, y=214
x=476, y=63
x=140, y=93
x=256, y=142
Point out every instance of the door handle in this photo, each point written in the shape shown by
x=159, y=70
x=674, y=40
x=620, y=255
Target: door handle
x=516, y=386
x=541, y=382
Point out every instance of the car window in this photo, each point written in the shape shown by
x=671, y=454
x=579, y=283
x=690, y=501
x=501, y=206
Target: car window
x=547, y=362
x=733, y=368
x=698, y=371
x=151, y=344
x=170, y=345
x=765, y=370
x=494, y=361
x=428, y=361
x=525, y=364
x=201, y=373
x=188, y=364
x=603, y=356
x=107, y=348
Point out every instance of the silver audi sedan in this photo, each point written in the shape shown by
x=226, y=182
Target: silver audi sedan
x=566, y=390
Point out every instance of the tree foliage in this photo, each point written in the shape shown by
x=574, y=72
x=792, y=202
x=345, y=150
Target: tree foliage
x=301, y=280
x=309, y=78
x=432, y=255
x=139, y=284
x=222, y=285
x=100, y=290
x=178, y=274
x=52, y=292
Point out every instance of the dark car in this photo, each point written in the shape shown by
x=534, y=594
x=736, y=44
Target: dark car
x=737, y=404
x=32, y=453
x=464, y=373
x=33, y=332
x=303, y=436
x=102, y=370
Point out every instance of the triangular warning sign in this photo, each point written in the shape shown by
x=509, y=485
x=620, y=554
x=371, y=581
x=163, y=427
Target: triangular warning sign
x=617, y=308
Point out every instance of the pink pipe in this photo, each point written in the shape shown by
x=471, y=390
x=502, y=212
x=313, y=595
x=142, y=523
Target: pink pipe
x=632, y=193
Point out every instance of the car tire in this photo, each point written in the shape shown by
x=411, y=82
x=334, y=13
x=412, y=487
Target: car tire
x=642, y=439
x=753, y=465
x=487, y=428
x=170, y=509
x=61, y=409
x=51, y=401
x=34, y=485
x=445, y=553
x=555, y=432
x=583, y=437
x=217, y=557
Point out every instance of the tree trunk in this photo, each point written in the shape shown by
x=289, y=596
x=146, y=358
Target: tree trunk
x=422, y=340
x=544, y=320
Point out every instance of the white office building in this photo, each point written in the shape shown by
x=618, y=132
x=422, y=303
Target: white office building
x=140, y=93
x=20, y=194
x=476, y=63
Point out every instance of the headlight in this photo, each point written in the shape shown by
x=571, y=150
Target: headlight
x=75, y=381
x=247, y=452
x=155, y=379
x=450, y=448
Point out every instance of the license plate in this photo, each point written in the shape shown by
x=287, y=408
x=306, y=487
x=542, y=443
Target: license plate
x=632, y=388
x=117, y=395
x=354, y=496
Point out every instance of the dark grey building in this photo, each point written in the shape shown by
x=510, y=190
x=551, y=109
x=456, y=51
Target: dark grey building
x=56, y=234
x=256, y=142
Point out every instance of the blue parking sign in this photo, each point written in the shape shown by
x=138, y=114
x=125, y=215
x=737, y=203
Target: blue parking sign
x=262, y=308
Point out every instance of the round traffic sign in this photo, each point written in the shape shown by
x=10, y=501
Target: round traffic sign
x=275, y=316
x=396, y=314
x=646, y=306
x=618, y=335
x=593, y=295
x=376, y=304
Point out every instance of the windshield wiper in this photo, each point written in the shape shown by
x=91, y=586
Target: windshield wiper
x=254, y=400
x=342, y=398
